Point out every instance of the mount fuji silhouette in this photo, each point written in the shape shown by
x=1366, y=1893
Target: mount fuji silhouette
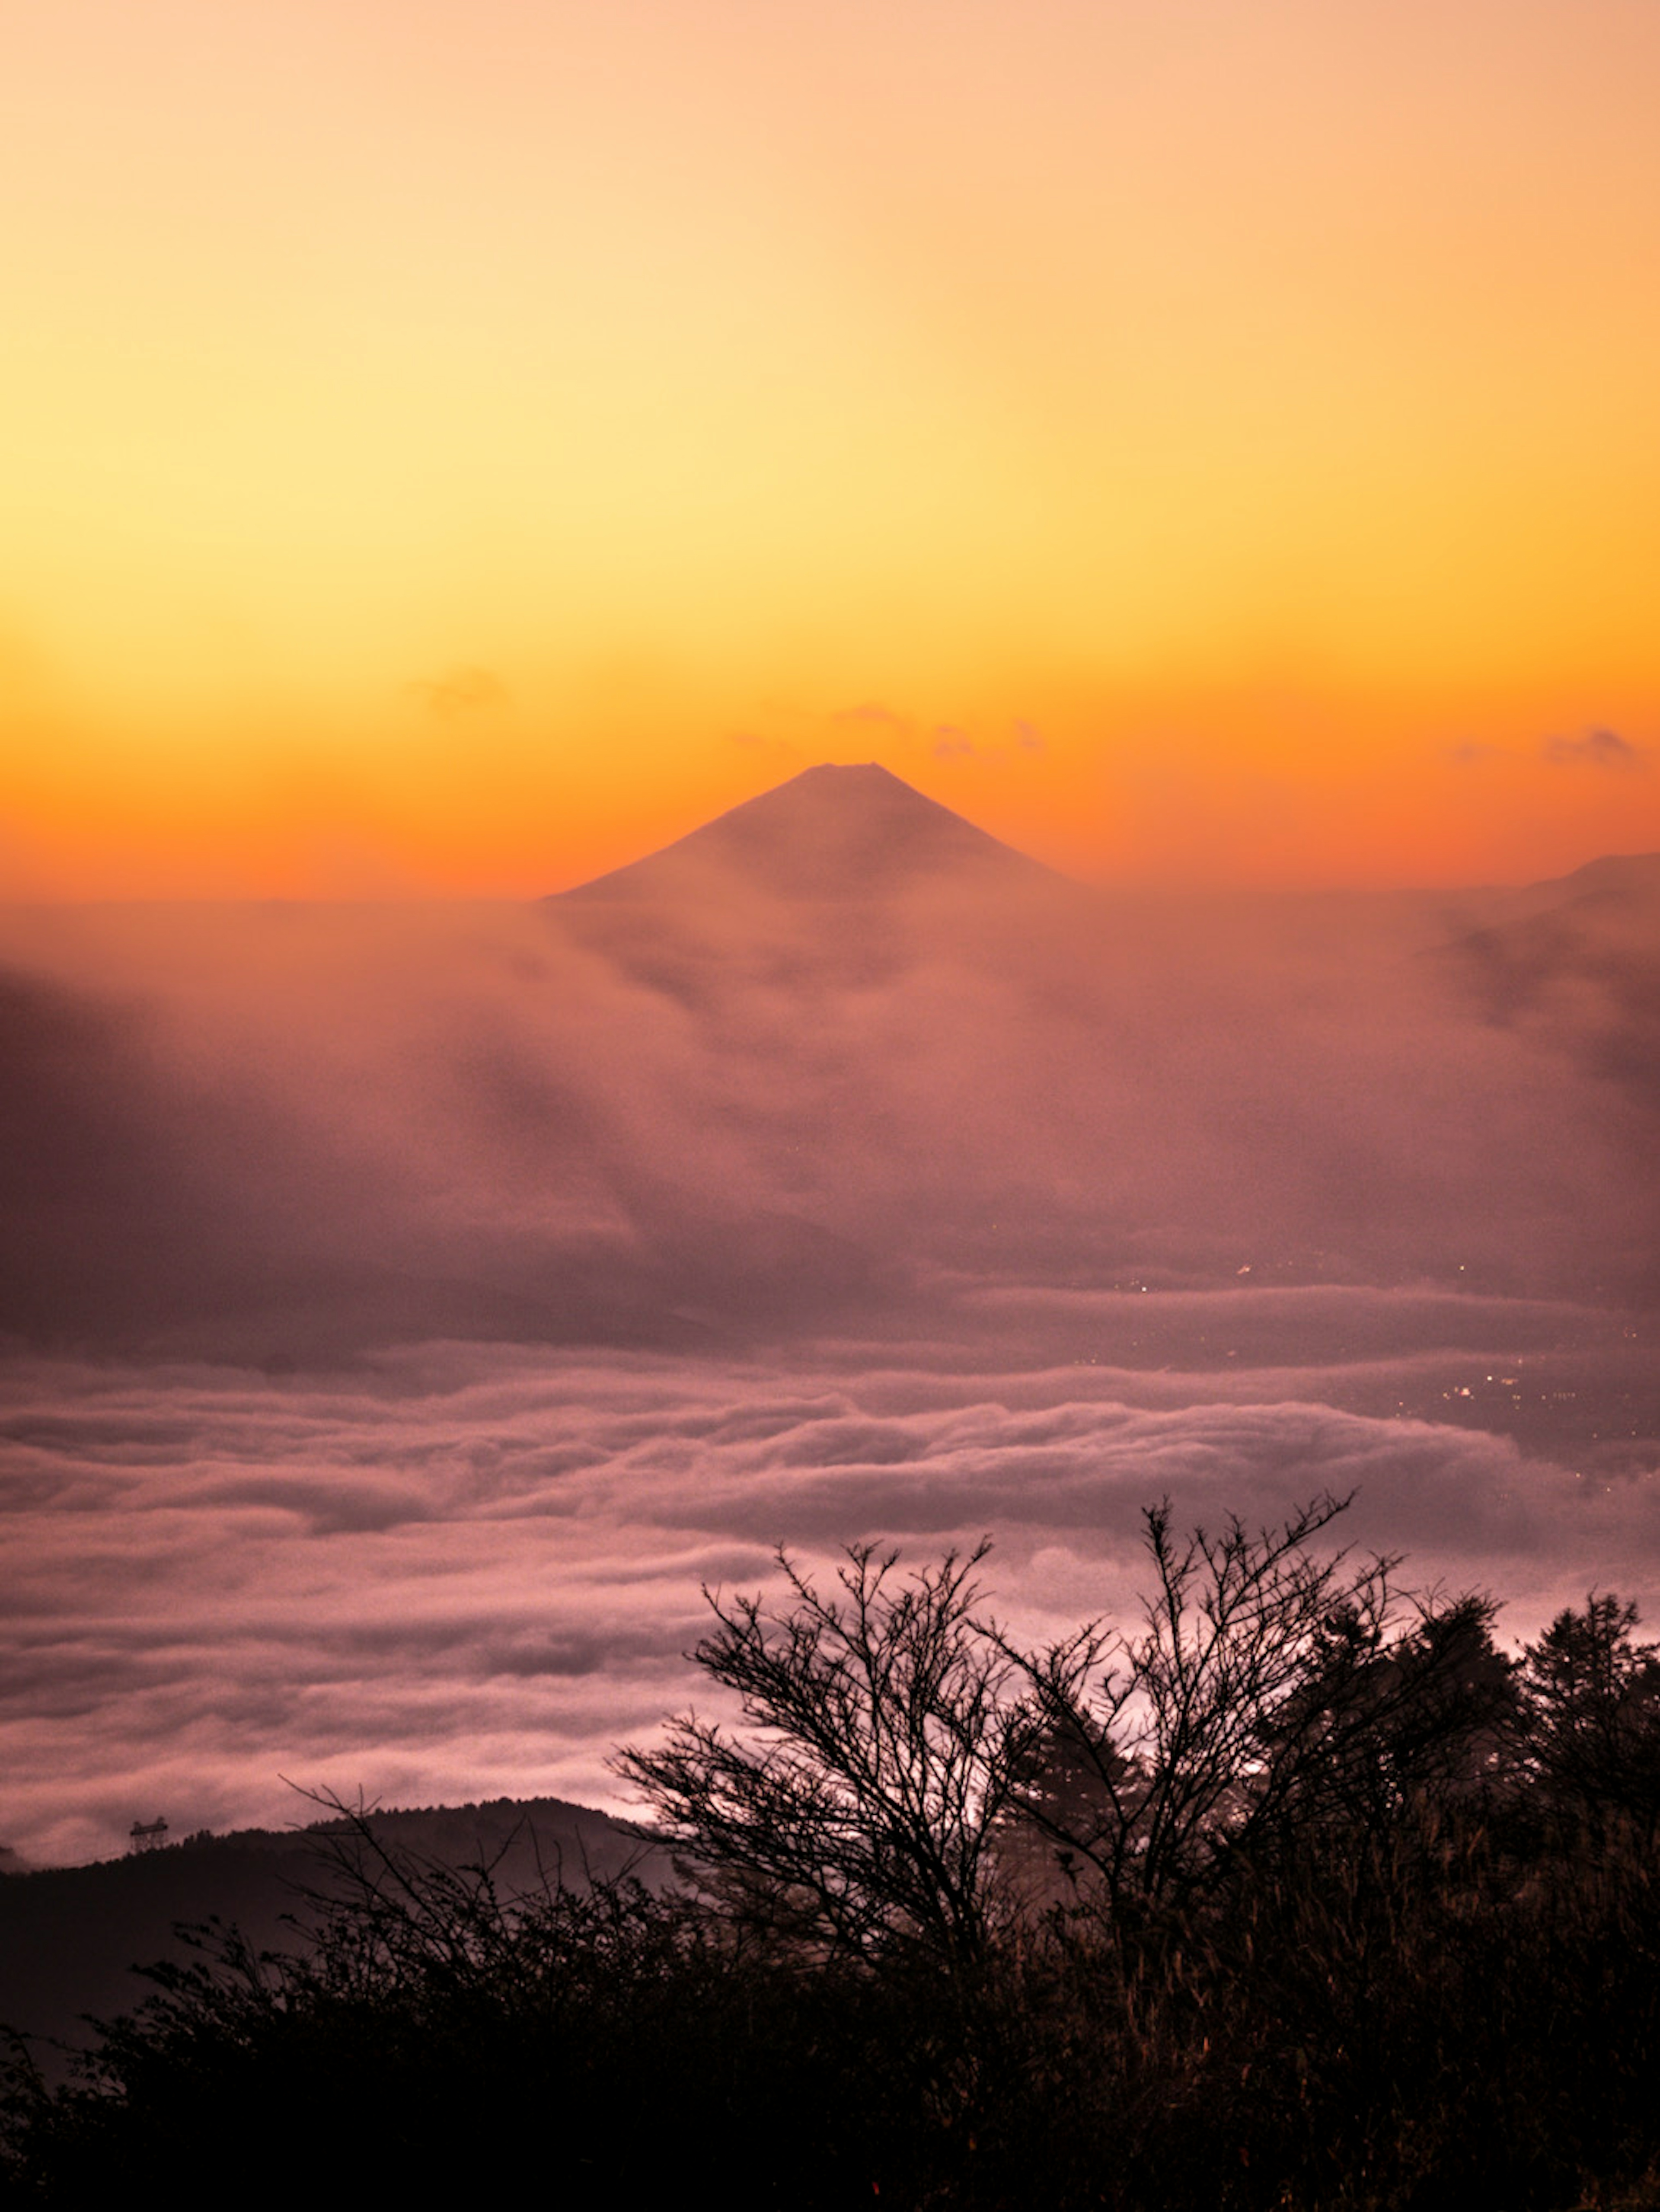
x=830, y=833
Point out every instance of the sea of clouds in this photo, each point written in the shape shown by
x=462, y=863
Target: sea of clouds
x=413, y=1310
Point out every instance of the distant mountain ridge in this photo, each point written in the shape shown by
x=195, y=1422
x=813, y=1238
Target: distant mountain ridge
x=859, y=832
x=71, y=1937
x=830, y=833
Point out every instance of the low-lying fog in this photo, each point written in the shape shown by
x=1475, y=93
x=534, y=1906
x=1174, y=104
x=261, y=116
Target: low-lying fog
x=408, y=1307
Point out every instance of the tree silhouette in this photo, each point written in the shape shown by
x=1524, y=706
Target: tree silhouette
x=1272, y=1693
x=1296, y=1892
x=1591, y=1698
x=909, y=1775
x=888, y=1735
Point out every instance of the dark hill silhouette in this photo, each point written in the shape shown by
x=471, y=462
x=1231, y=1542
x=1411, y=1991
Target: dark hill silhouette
x=71, y=1937
x=829, y=832
x=1613, y=877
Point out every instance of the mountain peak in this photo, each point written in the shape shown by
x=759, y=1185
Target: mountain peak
x=831, y=832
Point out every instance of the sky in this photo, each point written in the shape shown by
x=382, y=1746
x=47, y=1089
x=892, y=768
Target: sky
x=452, y=453
x=453, y=450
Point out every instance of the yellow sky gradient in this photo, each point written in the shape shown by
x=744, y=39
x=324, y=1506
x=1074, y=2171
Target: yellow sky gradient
x=455, y=449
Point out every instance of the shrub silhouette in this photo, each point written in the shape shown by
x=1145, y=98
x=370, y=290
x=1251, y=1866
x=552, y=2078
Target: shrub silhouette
x=1298, y=1895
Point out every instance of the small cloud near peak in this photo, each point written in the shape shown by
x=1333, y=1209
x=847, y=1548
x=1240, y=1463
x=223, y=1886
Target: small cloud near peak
x=459, y=691
x=775, y=749
x=951, y=742
x=1596, y=749
x=872, y=711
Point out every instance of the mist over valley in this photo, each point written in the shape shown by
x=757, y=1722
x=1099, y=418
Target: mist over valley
x=411, y=1306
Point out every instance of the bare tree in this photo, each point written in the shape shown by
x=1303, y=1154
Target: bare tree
x=1272, y=1693
x=910, y=1775
x=889, y=1731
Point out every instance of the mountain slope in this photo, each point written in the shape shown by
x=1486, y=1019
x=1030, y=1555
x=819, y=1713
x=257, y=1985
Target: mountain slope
x=830, y=833
x=72, y=1938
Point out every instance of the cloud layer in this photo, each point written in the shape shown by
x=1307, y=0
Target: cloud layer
x=415, y=1307
x=473, y=1569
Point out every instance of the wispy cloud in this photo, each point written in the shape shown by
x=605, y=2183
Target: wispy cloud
x=1596, y=749
x=461, y=691
x=874, y=714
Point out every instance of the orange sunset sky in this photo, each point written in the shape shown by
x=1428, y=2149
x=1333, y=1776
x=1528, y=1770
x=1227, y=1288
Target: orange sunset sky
x=452, y=448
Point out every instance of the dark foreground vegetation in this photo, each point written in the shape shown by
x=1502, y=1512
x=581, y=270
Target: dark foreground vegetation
x=1302, y=1896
